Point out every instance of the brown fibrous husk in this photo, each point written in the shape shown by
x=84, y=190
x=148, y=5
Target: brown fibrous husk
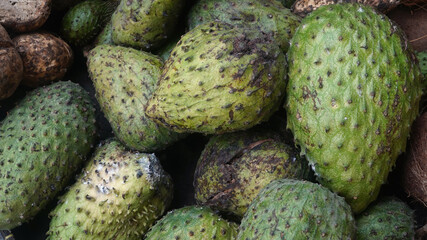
x=415, y=165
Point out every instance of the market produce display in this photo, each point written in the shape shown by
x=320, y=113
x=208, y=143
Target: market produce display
x=213, y=119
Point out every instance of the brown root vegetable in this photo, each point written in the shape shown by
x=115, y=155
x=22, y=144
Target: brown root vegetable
x=11, y=69
x=46, y=58
x=415, y=166
x=24, y=15
x=413, y=21
x=304, y=7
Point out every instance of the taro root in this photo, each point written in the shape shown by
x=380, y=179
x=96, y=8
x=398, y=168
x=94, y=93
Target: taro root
x=304, y=7
x=46, y=58
x=234, y=167
x=414, y=177
x=24, y=15
x=11, y=69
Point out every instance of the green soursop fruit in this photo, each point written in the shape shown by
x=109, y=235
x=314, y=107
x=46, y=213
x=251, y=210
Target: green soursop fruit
x=192, y=222
x=119, y=195
x=422, y=59
x=124, y=80
x=105, y=36
x=219, y=79
x=389, y=218
x=83, y=22
x=166, y=50
x=234, y=167
x=145, y=24
x=353, y=93
x=43, y=141
x=294, y=209
x=263, y=15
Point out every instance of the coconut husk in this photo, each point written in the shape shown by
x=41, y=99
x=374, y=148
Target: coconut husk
x=414, y=177
x=303, y=7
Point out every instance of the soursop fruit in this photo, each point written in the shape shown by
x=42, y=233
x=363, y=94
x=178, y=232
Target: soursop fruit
x=119, y=195
x=43, y=141
x=262, y=15
x=105, y=36
x=353, y=93
x=422, y=59
x=84, y=21
x=145, y=24
x=389, y=218
x=294, y=209
x=234, y=167
x=219, y=79
x=193, y=222
x=124, y=80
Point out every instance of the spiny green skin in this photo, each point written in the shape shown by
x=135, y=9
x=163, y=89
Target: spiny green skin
x=43, y=141
x=83, y=22
x=293, y=209
x=133, y=75
x=219, y=79
x=193, y=222
x=234, y=167
x=106, y=35
x=389, y=218
x=422, y=59
x=263, y=15
x=145, y=24
x=166, y=50
x=352, y=96
x=119, y=195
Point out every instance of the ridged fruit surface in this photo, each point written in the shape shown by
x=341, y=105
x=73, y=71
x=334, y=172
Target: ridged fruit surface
x=43, y=141
x=219, y=79
x=389, y=218
x=119, y=195
x=353, y=93
x=124, y=80
x=294, y=209
x=263, y=15
x=193, y=222
x=234, y=167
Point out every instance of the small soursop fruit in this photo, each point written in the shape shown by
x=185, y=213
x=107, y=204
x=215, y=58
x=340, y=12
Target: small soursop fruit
x=192, y=222
x=294, y=209
x=145, y=24
x=43, y=141
x=353, y=93
x=219, y=79
x=124, y=80
x=263, y=15
x=389, y=218
x=84, y=21
x=422, y=59
x=119, y=195
x=234, y=167
x=105, y=36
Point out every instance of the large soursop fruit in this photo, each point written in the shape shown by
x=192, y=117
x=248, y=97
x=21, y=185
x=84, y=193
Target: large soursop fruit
x=118, y=196
x=234, y=167
x=264, y=15
x=293, y=209
x=389, y=218
x=144, y=24
x=192, y=222
x=43, y=141
x=353, y=93
x=124, y=80
x=219, y=79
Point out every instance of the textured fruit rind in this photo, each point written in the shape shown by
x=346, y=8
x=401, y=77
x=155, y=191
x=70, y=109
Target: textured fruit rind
x=124, y=80
x=294, y=209
x=119, y=195
x=219, y=79
x=264, y=15
x=353, y=93
x=144, y=24
x=389, y=218
x=234, y=167
x=193, y=222
x=422, y=60
x=43, y=141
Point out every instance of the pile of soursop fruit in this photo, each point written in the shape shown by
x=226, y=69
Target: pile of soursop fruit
x=210, y=119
